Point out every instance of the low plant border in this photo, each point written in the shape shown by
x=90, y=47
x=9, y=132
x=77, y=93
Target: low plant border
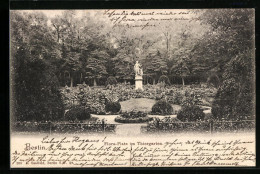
x=120, y=119
x=63, y=127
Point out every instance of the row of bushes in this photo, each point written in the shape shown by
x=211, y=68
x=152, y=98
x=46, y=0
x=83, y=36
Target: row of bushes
x=132, y=120
x=78, y=113
x=175, y=125
x=97, y=126
x=187, y=113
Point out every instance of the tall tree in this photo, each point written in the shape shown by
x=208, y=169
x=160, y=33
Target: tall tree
x=182, y=68
x=35, y=93
x=124, y=67
x=95, y=68
x=156, y=67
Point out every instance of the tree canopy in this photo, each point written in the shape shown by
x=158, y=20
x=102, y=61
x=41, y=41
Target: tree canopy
x=67, y=49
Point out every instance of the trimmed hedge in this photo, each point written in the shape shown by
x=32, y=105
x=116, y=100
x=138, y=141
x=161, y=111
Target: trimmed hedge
x=162, y=107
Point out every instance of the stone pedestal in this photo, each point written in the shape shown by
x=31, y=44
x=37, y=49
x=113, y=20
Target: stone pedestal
x=138, y=82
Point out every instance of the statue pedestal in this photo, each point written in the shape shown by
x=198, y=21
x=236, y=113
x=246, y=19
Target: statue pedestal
x=138, y=82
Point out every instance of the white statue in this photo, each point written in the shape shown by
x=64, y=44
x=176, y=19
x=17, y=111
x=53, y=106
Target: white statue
x=138, y=69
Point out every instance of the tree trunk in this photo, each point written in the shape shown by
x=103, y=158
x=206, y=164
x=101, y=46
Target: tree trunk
x=81, y=79
x=95, y=82
x=84, y=76
x=153, y=81
x=71, y=81
x=167, y=46
x=64, y=79
x=58, y=39
x=182, y=81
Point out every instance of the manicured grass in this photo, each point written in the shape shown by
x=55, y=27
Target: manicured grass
x=141, y=104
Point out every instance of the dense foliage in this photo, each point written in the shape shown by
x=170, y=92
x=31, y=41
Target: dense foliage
x=111, y=81
x=97, y=97
x=77, y=113
x=191, y=113
x=66, y=127
x=162, y=107
x=235, y=96
x=164, y=79
x=35, y=86
x=169, y=124
x=113, y=107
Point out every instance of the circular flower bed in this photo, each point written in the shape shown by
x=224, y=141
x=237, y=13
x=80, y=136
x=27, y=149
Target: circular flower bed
x=133, y=117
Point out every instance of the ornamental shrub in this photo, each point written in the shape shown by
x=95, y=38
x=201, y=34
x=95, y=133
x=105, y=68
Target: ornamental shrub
x=111, y=81
x=77, y=113
x=162, y=107
x=113, y=107
x=164, y=79
x=191, y=113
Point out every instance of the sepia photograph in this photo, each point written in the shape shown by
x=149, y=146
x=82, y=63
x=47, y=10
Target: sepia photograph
x=132, y=88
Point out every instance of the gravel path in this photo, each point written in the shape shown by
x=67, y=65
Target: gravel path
x=122, y=128
x=129, y=129
x=109, y=119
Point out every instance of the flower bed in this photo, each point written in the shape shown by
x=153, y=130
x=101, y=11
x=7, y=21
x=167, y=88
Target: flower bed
x=133, y=117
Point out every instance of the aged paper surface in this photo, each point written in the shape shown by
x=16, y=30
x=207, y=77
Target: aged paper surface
x=102, y=43
x=112, y=151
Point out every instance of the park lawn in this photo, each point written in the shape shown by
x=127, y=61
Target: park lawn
x=141, y=104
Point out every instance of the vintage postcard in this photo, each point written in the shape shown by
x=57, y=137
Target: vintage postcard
x=132, y=88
